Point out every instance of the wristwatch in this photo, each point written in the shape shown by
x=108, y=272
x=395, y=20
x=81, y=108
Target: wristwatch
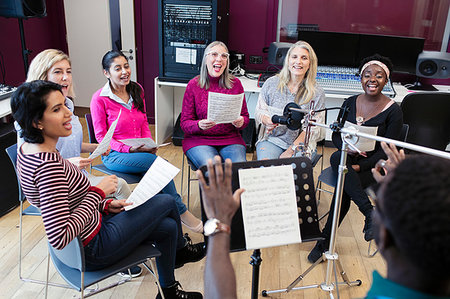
x=214, y=226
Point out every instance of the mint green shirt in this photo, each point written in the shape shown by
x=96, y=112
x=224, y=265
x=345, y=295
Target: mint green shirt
x=383, y=288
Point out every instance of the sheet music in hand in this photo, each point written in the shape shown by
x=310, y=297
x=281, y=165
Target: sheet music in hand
x=155, y=179
x=269, y=207
x=224, y=108
x=363, y=144
x=147, y=142
x=104, y=145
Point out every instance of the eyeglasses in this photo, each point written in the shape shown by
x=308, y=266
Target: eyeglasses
x=216, y=54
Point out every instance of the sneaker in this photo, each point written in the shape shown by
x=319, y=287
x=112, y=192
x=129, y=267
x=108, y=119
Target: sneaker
x=368, y=228
x=176, y=292
x=190, y=252
x=318, y=250
x=135, y=272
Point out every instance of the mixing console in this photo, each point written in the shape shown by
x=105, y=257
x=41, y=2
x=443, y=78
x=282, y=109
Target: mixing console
x=344, y=80
x=6, y=91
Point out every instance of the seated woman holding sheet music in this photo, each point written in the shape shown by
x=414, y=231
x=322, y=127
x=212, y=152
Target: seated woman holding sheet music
x=71, y=207
x=204, y=138
x=121, y=95
x=296, y=82
x=55, y=66
x=371, y=109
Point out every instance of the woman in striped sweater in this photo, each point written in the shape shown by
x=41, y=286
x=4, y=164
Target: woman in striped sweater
x=71, y=207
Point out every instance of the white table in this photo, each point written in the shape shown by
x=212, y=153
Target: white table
x=5, y=107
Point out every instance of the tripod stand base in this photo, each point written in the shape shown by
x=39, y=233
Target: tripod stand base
x=357, y=282
x=332, y=258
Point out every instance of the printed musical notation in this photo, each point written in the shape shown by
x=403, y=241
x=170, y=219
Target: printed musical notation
x=224, y=108
x=269, y=207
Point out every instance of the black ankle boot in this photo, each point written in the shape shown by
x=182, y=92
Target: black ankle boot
x=190, y=253
x=368, y=228
x=176, y=292
x=318, y=250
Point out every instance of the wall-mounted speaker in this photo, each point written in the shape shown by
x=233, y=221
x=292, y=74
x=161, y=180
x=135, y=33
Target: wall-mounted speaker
x=277, y=52
x=434, y=65
x=23, y=8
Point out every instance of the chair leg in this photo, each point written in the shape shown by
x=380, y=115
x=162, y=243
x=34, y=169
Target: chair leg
x=20, y=258
x=182, y=176
x=368, y=250
x=189, y=186
x=20, y=239
x=152, y=270
x=48, y=270
x=82, y=285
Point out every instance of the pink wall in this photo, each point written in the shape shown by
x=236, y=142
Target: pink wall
x=146, y=22
x=356, y=16
x=252, y=26
x=40, y=34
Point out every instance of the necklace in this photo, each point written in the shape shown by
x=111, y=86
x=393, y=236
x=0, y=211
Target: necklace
x=365, y=112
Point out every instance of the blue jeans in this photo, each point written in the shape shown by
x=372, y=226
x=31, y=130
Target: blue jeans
x=155, y=222
x=200, y=154
x=267, y=150
x=140, y=163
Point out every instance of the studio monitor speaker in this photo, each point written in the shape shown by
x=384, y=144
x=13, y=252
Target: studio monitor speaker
x=434, y=65
x=23, y=8
x=277, y=52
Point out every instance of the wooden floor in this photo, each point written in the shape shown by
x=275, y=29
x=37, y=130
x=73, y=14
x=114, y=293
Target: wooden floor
x=280, y=265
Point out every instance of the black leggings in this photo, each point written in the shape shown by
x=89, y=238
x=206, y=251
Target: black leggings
x=354, y=185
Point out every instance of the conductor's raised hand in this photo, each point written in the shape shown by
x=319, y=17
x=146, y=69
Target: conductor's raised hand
x=218, y=199
x=205, y=124
x=394, y=158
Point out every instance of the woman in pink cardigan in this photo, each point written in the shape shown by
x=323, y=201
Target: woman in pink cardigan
x=121, y=94
x=203, y=138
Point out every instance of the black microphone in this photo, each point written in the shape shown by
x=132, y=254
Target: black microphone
x=291, y=118
x=278, y=119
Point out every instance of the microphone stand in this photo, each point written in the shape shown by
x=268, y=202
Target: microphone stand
x=331, y=255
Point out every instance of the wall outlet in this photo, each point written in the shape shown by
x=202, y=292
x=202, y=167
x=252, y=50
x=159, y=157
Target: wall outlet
x=255, y=59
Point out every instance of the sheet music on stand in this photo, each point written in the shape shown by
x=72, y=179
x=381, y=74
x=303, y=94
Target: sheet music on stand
x=304, y=192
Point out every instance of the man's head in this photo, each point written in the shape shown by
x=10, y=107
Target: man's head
x=413, y=214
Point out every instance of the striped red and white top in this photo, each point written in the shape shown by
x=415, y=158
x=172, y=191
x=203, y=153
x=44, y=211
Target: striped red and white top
x=69, y=205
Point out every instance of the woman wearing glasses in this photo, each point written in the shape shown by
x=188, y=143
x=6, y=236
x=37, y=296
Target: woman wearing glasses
x=203, y=138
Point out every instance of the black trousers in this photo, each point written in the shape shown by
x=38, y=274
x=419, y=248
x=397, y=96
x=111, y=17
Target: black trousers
x=354, y=185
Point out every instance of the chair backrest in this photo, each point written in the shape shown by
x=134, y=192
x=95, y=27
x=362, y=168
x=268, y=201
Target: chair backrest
x=90, y=127
x=12, y=154
x=72, y=255
x=404, y=133
x=178, y=133
x=428, y=117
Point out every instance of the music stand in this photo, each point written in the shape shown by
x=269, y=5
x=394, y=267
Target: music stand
x=306, y=203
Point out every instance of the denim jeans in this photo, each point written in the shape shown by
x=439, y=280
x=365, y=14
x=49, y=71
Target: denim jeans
x=140, y=163
x=155, y=222
x=199, y=155
x=267, y=150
